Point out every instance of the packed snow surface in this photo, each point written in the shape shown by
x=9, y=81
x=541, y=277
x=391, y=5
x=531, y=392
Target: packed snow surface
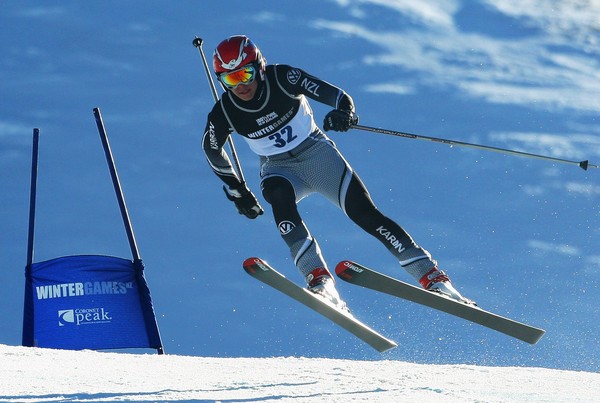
x=45, y=375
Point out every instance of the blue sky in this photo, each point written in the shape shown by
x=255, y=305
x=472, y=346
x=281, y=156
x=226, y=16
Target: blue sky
x=518, y=235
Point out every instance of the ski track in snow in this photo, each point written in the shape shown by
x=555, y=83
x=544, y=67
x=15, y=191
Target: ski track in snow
x=45, y=375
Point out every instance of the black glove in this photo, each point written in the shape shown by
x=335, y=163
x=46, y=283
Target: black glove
x=340, y=120
x=244, y=200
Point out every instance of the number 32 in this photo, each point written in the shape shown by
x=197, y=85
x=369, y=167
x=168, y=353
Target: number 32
x=283, y=137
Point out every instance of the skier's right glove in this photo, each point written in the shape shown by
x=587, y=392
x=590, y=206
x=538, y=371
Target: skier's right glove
x=244, y=201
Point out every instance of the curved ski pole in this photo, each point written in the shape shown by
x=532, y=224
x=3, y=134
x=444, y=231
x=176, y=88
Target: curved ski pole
x=197, y=42
x=582, y=164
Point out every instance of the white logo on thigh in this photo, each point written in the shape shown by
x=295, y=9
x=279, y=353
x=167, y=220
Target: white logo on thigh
x=285, y=227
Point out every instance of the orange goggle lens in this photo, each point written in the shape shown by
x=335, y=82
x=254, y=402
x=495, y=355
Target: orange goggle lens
x=245, y=75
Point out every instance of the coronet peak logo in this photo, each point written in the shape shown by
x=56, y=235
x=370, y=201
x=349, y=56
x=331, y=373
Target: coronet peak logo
x=83, y=316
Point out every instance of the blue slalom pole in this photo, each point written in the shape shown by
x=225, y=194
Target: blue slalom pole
x=117, y=186
x=32, y=196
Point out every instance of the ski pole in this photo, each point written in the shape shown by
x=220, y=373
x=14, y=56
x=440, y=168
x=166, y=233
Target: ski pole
x=197, y=42
x=582, y=164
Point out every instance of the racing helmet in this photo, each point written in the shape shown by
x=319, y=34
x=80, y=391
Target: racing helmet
x=237, y=52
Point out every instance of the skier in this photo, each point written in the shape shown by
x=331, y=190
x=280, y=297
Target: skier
x=268, y=106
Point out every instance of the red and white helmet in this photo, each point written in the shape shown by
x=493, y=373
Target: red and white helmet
x=236, y=52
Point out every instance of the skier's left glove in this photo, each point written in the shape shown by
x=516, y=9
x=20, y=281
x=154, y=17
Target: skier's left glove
x=340, y=120
x=244, y=201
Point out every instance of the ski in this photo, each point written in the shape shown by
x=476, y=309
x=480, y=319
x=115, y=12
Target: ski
x=355, y=273
x=260, y=270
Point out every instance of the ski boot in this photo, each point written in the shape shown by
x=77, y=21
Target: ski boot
x=322, y=283
x=437, y=281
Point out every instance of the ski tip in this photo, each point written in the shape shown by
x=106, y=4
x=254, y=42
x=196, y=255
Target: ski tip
x=251, y=261
x=254, y=264
x=344, y=269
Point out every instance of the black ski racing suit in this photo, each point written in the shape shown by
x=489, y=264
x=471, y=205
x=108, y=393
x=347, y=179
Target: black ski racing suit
x=297, y=158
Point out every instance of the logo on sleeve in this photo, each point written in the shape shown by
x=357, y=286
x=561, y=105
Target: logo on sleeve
x=285, y=227
x=293, y=76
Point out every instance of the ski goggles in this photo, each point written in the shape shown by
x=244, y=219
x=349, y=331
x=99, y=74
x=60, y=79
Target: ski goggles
x=245, y=75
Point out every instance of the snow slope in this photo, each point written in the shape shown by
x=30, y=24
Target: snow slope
x=44, y=375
